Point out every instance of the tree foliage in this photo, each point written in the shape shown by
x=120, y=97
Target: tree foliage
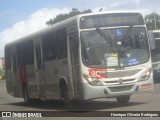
x=62, y=17
x=151, y=19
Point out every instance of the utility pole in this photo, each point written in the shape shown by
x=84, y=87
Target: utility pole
x=155, y=22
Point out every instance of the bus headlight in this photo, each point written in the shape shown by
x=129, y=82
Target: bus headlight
x=146, y=75
x=92, y=80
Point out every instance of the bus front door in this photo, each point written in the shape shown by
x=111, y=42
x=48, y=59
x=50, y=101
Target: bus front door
x=75, y=69
x=39, y=67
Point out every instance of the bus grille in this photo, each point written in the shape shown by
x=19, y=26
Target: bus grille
x=122, y=73
x=117, y=81
x=121, y=88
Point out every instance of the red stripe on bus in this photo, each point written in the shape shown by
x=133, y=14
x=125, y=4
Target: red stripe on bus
x=23, y=76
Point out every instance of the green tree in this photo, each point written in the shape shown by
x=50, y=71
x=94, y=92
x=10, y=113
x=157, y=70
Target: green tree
x=151, y=19
x=62, y=17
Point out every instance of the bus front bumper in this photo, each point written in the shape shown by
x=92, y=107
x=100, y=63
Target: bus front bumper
x=91, y=92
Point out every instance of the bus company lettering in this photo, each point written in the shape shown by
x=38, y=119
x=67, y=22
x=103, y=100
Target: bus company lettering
x=27, y=114
x=98, y=73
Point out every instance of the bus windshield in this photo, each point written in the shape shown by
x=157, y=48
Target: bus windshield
x=118, y=47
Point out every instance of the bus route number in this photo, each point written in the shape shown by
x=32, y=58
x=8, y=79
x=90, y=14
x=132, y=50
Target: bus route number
x=98, y=73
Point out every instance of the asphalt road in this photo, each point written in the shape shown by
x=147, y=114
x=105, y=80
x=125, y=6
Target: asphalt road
x=138, y=102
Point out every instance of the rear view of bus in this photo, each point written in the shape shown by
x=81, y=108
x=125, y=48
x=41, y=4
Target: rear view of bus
x=115, y=56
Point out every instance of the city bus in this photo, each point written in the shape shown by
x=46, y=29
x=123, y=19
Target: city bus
x=154, y=37
x=88, y=56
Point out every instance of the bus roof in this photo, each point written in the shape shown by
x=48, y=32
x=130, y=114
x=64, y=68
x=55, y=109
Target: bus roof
x=62, y=24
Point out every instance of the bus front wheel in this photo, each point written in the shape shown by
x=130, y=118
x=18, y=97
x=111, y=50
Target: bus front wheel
x=123, y=99
x=66, y=97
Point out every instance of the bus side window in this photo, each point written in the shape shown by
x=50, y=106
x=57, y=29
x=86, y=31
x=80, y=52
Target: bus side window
x=25, y=53
x=49, y=47
x=61, y=36
x=21, y=54
x=14, y=62
x=8, y=58
x=74, y=45
x=29, y=53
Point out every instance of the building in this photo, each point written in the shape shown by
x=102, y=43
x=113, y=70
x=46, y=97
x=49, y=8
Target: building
x=2, y=64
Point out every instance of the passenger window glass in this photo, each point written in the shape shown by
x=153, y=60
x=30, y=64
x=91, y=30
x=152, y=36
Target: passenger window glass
x=61, y=44
x=49, y=47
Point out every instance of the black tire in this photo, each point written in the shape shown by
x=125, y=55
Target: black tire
x=66, y=98
x=27, y=100
x=123, y=99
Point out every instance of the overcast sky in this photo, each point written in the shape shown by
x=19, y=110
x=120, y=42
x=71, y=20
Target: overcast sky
x=19, y=18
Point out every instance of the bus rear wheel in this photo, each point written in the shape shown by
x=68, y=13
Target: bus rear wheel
x=27, y=100
x=123, y=99
x=67, y=101
x=64, y=92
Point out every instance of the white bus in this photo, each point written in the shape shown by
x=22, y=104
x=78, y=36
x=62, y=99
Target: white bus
x=95, y=55
x=154, y=36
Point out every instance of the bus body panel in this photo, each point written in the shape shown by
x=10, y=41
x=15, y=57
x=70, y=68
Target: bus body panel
x=105, y=91
x=115, y=87
x=42, y=77
x=32, y=82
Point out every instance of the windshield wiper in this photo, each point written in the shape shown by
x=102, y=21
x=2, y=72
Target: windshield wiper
x=106, y=38
x=127, y=33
